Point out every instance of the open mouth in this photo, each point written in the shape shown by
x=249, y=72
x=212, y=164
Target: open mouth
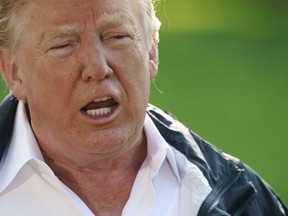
x=100, y=107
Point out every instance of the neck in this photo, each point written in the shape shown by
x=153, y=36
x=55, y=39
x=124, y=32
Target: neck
x=105, y=184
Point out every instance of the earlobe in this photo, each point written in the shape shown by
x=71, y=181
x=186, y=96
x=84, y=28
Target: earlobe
x=10, y=74
x=153, y=59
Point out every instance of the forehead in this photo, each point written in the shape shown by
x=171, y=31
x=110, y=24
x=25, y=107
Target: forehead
x=69, y=11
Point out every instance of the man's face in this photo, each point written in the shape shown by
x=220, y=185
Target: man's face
x=85, y=69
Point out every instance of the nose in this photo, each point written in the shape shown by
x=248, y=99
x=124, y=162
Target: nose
x=96, y=66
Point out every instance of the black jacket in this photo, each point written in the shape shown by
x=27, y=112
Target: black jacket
x=236, y=188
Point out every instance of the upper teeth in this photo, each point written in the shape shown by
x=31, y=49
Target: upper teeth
x=102, y=99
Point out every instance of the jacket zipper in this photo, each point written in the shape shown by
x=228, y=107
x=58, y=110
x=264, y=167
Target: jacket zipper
x=213, y=198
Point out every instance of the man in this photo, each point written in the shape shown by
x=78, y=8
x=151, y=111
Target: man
x=77, y=137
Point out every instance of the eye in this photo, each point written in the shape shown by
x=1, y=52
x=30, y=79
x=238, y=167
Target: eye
x=120, y=36
x=117, y=40
x=61, y=46
x=62, y=49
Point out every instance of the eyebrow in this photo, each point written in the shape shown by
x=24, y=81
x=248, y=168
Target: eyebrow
x=62, y=31
x=112, y=19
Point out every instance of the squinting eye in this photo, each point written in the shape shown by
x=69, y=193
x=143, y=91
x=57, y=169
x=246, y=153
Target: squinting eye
x=117, y=40
x=120, y=36
x=62, y=46
x=62, y=50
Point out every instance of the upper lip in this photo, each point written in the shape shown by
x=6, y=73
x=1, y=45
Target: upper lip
x=102, y=99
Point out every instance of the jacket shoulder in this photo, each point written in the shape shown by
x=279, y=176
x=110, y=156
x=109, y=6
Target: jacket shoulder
x=236, y=188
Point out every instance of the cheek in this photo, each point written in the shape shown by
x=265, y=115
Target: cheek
x=135, y=73
x=48, y=86
x=136, y=60
x=137, y=86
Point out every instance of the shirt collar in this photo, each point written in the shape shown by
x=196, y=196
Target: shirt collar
x=22, y=149
x=158, y=149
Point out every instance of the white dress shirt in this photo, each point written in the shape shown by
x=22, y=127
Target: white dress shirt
x=29, y=187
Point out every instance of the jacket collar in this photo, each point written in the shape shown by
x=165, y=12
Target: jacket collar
x=180, y=137
x=7, y=115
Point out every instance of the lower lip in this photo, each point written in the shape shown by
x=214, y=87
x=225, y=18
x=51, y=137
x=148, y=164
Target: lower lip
x=105, y=117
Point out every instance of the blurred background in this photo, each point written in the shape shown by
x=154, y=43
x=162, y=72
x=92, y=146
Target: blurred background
x=223, y=72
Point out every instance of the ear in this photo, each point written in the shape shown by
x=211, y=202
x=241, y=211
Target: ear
x=10, y=74
x=153, y=59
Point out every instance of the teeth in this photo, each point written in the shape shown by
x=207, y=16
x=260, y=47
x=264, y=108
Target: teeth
x=102, y=99
x=99, y=112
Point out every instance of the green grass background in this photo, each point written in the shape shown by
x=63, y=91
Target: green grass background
x=224, y=72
